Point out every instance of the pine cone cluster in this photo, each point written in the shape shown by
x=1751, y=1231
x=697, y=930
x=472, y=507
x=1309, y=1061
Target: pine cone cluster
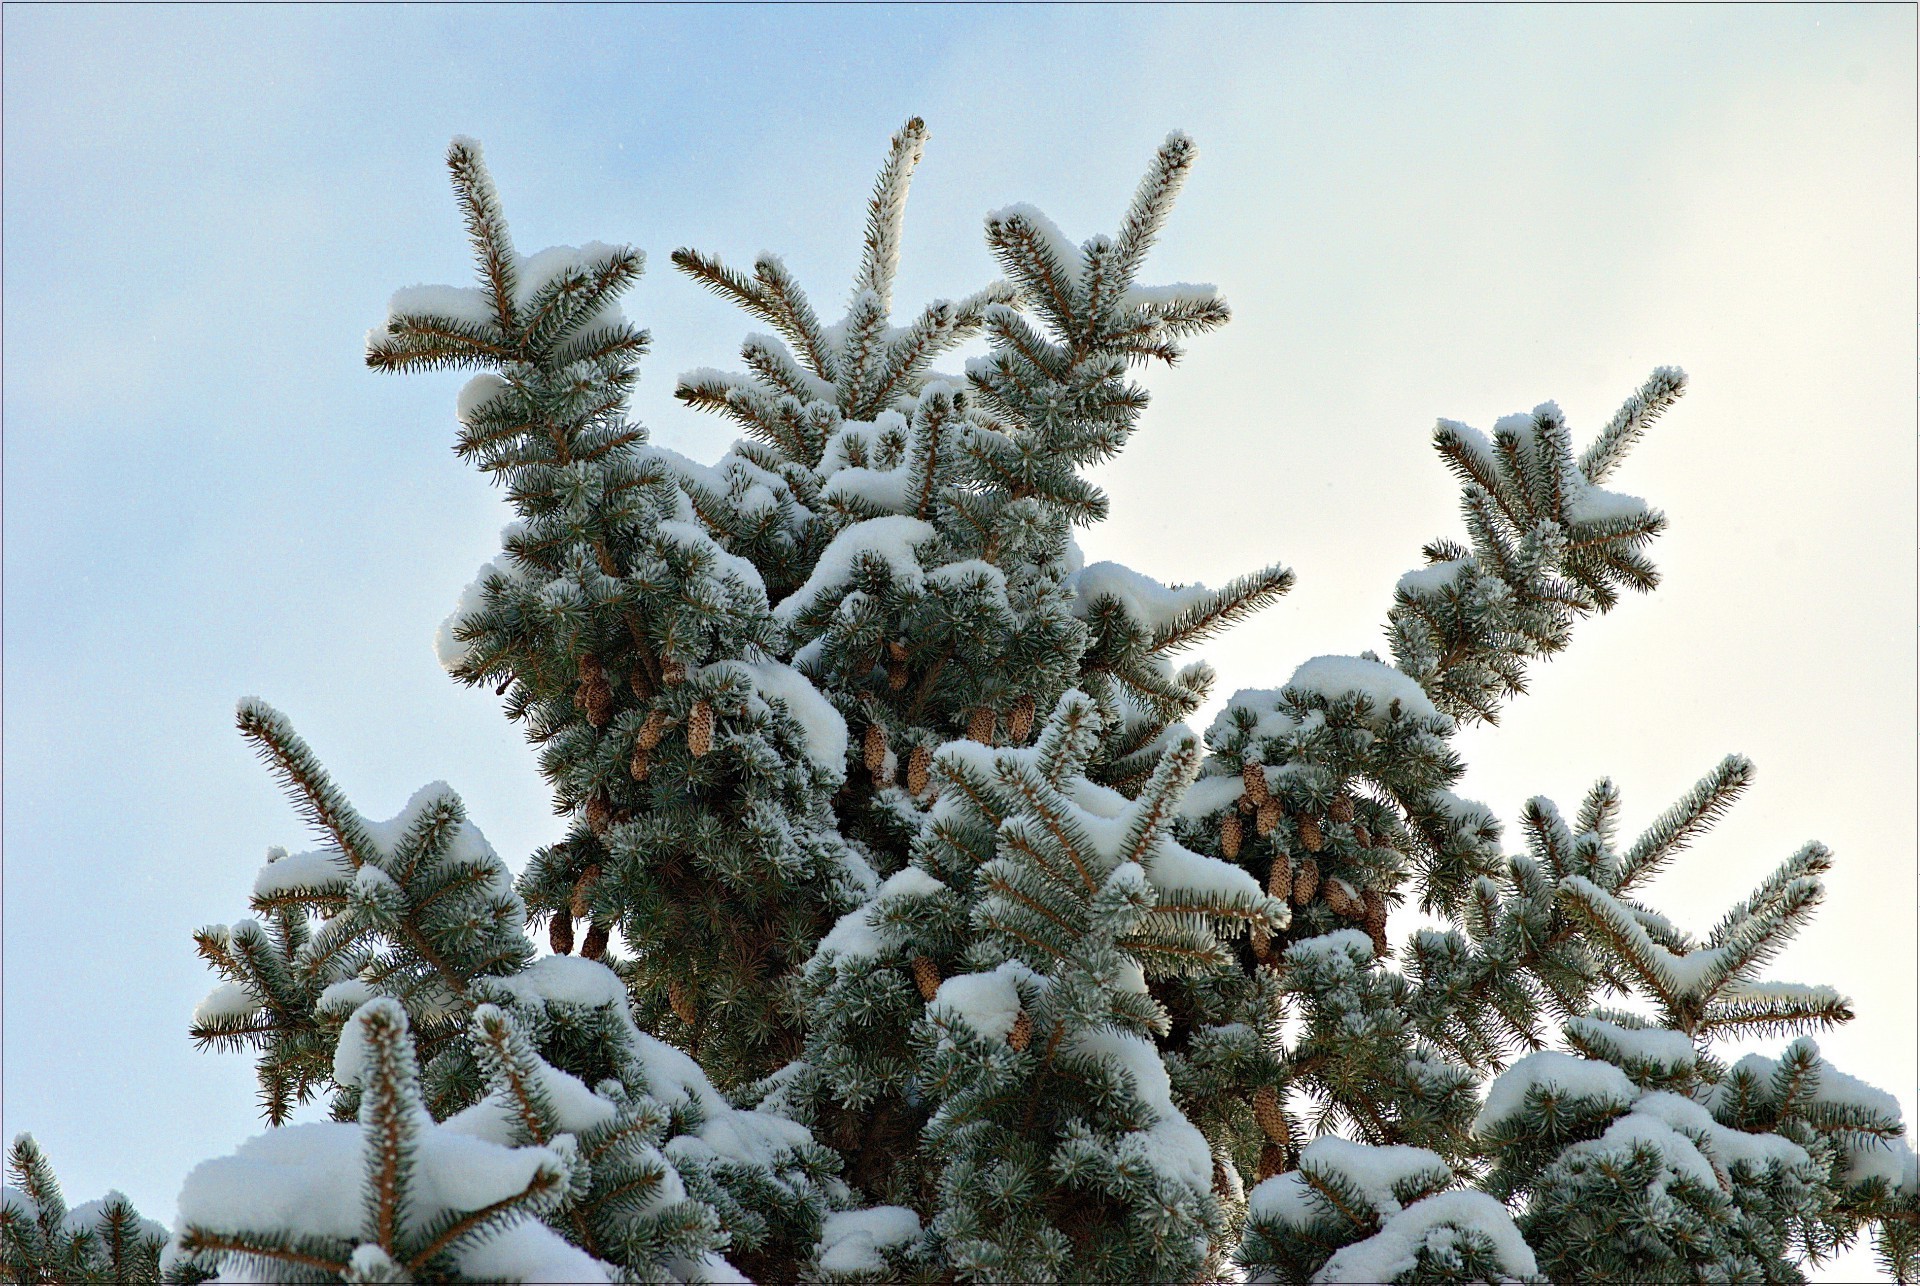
x=594, y=696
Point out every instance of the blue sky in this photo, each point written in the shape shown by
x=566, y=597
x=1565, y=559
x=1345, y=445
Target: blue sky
x=1416, y=212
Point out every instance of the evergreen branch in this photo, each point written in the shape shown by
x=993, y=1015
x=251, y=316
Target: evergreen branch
x=1152, y=201
x=1027, y=257
x=1233, y=602
x=486, y=228
x=1762, y=1010
x=1681, y=824
x=326, y=1254
x=312, y=792
x=880, y=250
x=791, y=314
x=1663, y=388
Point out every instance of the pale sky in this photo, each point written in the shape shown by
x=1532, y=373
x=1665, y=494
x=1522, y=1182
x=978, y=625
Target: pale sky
x=1415, y=212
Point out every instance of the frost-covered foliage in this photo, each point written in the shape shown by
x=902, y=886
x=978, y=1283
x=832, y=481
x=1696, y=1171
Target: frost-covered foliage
x=1040, y=903
x=419, y=908
x=638, y=652
x=43, y=1241
x=395, y=1197
x=915, y=981
x=1353, y=1213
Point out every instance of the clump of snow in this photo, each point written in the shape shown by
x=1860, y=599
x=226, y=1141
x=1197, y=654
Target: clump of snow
x=1371, y=1168
x=1264, y=709
x=1337, y=948
x=86, y=1216
x=987, y=1002
x=476, y=393
x=465, y=304
x=1655, y=1046
x=891, y=539
x=824, y=727
x=851, y=1241
x=1045, y=232
x=1209, y=795
x=1176, y=869
x=1432, y=578
x=1582, y=502
x=566, y=980
x=1678, y=1153
x=1337, y=676
x=228, y=1000
x=306, y=1179
x=1889, y=1160
x=1564, y=1075
x=296, y=873
x=1724, y=1148
x=1435, y=1224
x=1173, y=293
x=531, y=1253
x=1171, y=1144
x=1150, y=604
x=855, y=934
x=344, y=996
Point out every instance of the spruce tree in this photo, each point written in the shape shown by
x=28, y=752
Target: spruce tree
x=901, y=930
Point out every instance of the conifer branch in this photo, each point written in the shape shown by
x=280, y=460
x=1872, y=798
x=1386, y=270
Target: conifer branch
x=1229, y=605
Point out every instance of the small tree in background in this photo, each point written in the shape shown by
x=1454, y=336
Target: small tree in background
x=901, y=930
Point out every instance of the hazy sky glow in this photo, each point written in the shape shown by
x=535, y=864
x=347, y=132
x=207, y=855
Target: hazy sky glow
x=1415, y=212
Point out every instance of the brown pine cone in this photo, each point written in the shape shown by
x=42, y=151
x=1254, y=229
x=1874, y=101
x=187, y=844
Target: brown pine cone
x=873, y=748
x=1253, y=779
x=919, y=771
x=896, y=675
x=560, y=934
x=1222, y=1178
x=1273, y=1160
x=926, y=976
x=1342, y=903
x=583, y=887
x=980, y=725
x=1230, y=835
x=1022, y=1034
x=1341, y=809
x=1280, y=878
x=1311, y=837
x=1267, y=816
x=595, y=947
x=1268, y=1115
x=672, y=673
x=599, y=813
x=1306, y=882
x=1020, y=720
x=1363, y=837
x=680, y=997
x=658, y=721
x=699, y=729
x=638, y=683
x=641, y=764
x=1374, y=919
x=595, y=695
x=1261, y=941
